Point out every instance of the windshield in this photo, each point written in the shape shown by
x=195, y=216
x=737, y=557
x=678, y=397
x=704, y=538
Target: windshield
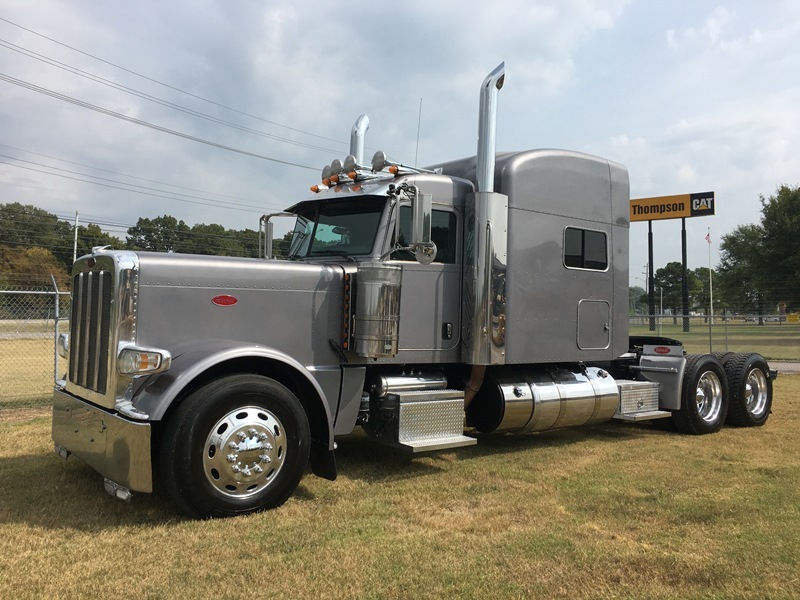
x=337, y=228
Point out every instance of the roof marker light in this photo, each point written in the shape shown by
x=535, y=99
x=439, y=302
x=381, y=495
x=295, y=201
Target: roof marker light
x=349, y=163
x=378, y=161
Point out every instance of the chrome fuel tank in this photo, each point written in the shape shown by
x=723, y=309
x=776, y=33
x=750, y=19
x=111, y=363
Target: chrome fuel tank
x=542, y=398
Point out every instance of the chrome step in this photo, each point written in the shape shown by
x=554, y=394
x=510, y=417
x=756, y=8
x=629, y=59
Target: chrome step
x=429, y=420
x=643, y=416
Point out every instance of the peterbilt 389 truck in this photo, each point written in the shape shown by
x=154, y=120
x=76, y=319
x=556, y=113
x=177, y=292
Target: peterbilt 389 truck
x=429, y=307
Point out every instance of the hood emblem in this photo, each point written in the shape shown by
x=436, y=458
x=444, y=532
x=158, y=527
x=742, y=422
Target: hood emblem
x=224, y=300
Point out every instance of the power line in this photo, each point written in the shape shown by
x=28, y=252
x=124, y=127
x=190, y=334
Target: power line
x=162, y=102
x=111, y=113
x=70, y=162
x=166, y=84
x=130, y=185
x=116, y=187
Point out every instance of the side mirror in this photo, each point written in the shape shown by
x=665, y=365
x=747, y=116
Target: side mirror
x=421, y=243
x=266, y=235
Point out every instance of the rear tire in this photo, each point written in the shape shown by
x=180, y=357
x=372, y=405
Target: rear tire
x=234, y=446
x=704, y=396
x=750, y=390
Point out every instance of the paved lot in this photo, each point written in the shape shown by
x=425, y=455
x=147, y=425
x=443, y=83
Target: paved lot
x=786, y=368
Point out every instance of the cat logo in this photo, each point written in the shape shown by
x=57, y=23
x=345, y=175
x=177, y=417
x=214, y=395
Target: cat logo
x=702, y=204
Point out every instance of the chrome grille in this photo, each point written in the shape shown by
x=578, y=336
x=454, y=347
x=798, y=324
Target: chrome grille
x=90, y=325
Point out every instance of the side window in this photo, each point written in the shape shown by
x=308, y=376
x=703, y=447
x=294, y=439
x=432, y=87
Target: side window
x=585, y=249
x=443, y=234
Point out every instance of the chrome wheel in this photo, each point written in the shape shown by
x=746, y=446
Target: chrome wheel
x=704, y=396
x=755, y=393
x=709, y=397
x=244, y=452
x=750, y=389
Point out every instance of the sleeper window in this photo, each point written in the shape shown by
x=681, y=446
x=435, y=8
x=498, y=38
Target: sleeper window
x=585, y=249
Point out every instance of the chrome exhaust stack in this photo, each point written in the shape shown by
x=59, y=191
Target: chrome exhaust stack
x=357, y=136
x=487, y=222
x=487, y=127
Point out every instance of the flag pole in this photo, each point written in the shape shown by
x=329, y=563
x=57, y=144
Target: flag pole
x=710, y=282
x=710, y=296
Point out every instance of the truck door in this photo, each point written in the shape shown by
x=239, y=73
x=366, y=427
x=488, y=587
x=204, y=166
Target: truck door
x=430, y=301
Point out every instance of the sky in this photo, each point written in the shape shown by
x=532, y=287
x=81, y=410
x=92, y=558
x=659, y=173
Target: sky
x=219, y=112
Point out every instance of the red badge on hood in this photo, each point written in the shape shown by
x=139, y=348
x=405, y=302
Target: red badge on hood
x=224, y=300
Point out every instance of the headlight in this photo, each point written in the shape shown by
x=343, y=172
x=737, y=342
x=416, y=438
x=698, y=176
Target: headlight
x=133, y=360
x=62, y=345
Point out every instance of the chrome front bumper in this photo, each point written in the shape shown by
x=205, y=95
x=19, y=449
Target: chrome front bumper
x=113, y=446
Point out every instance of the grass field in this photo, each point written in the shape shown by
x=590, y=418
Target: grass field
x=775, y=341
x=607, y=511
x=26, y=372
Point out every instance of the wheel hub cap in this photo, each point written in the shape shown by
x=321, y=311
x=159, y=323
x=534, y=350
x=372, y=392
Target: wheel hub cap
x=755, y=392
x=709, y=396
x=244, y=451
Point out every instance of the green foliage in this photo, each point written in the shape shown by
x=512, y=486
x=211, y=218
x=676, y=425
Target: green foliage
x=91, y=236
x=28, y=227
x=162, y=234
x=760, y=264
x=637, y=299
x=669, y=279
x=30, y=268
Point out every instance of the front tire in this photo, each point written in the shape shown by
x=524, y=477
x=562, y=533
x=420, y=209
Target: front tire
x=234, y=446
x=751, y=390
x=704, y=396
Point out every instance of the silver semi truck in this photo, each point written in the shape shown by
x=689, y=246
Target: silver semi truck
x=427, y=306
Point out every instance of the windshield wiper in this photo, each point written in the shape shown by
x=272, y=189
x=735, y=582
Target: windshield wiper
x=329, y=252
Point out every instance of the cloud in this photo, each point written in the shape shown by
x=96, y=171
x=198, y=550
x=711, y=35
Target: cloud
x=683, y=96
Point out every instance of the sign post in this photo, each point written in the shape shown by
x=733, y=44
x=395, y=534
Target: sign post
x=681, y=206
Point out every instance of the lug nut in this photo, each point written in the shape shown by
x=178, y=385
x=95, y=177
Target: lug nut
x=231, y=458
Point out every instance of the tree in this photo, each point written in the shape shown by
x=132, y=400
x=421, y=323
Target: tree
x=213, y=239
x=760, y=264
x=741, y=279
x=701, y=300
x=24, y=225
x=637, y=299
x=162, y=234
x=92, y=236
x=30, y=268
x=780, y=223
x=669, y=279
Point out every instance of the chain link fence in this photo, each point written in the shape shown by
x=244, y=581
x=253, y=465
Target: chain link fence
x=776, y=337
x=30, y=321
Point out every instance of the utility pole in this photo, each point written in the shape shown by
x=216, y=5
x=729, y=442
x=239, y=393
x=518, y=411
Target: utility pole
x=75, y=241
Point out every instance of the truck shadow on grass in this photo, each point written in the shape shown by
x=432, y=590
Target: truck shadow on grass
x=45, y=491
x=364, y=459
